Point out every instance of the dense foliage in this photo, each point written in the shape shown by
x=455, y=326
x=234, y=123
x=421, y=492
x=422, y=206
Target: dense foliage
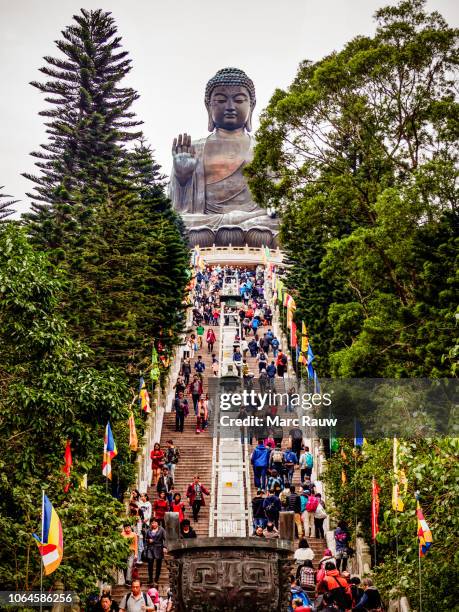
x=92, y=282
x=431, y=467
x=102, y=211
x=50, y=393
x=360, y=157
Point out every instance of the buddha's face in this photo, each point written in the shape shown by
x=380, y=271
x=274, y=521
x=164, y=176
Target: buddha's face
x=230, y=107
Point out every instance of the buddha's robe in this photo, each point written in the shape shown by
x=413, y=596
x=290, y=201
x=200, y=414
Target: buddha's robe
x=217, y=193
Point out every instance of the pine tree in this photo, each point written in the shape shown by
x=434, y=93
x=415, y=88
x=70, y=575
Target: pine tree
x=89, y=123
x=5, y=207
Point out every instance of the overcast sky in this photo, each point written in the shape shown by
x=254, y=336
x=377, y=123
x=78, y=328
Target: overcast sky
x=176, y=46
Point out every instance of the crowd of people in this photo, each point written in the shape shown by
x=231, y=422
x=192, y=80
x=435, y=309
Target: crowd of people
x=326, y=586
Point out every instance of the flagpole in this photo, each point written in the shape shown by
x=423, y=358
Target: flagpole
x=374, y=539
x=42, y=533
x=420, y=580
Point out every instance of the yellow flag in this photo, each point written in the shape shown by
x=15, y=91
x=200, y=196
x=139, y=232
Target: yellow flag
x=400, y=478
x=304, y=338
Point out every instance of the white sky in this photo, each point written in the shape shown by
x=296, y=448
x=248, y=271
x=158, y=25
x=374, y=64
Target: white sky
x=176, y=46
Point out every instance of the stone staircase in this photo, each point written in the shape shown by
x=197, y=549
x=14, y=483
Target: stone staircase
x=195, y=458
x=317, y=545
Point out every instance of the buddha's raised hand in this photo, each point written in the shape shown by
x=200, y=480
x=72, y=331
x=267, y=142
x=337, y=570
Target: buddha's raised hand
x=184, y=156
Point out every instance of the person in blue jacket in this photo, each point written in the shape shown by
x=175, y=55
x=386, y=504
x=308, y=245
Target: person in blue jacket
x=260, y=462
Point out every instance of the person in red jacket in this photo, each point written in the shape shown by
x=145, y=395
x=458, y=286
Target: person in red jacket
x=157, y=462
x=210, y=339
x=195, y=493
x=160, y=507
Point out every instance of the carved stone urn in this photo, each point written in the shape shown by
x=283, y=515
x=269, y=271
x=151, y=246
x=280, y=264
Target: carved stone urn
x=231, y=574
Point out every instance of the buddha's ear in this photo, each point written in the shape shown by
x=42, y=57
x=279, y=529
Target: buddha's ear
x=210, y=124
x=248, y=123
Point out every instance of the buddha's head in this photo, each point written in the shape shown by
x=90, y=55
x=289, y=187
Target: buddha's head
x=230, y=100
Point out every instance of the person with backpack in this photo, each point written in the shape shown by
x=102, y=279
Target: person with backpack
x=172, y=457
x=342, y=541
x=297, y=593
x=306, y=577
x=371, y=599
x=356, y=590
x=306, y=462
x=263, y=381
x=272, y=507
x=200, y=334
x=276, y=462
x=260, y=462
x=136, y=600
x=258, y=513
x=337, y=586
x=319, y=516
x=294, y=505
x=290, y=460
x=306, y=517
x=275, y=346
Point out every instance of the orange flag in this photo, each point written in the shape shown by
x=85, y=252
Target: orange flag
x=133, y=442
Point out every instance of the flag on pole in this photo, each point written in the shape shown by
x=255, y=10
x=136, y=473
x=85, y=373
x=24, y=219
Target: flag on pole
x=334, y=444
x=67, y=465
x=310, y=358
x=133, y=442
x=51, y=544
x=304, y=338
x=359, y=440
x=400, y=479
x=144, y=398
x=374, y=508
x=424, y=533
x=110, y=452
x=293, y=338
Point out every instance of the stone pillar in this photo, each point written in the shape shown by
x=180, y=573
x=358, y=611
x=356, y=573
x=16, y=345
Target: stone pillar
x=172, y=526
x=287, y=526
x=58, y=587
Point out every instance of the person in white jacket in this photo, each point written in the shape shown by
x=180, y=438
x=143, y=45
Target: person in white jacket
x=145, y=506
x=303, y=552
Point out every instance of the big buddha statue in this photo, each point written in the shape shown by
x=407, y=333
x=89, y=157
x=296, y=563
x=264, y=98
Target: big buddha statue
x=207, y=185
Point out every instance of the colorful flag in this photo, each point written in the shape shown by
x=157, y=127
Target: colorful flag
x=67, y=465
x=304, y=338
x=293, y=338
x=316, y=383
x=51, y=545
x=400, y=479
x=310, y=358
x=110, y=452
x=374, y=508
x=424, y=533
x=133, y=442
x=359, y=440
x=334, y=444
x=144, y=398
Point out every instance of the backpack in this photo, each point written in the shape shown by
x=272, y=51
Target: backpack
x=129, y=595
x=306, y=577
x=309, y=460
x=290, y=458
x=271, y=507
x=340, y=596
x=278, y=456
x=312, y=504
